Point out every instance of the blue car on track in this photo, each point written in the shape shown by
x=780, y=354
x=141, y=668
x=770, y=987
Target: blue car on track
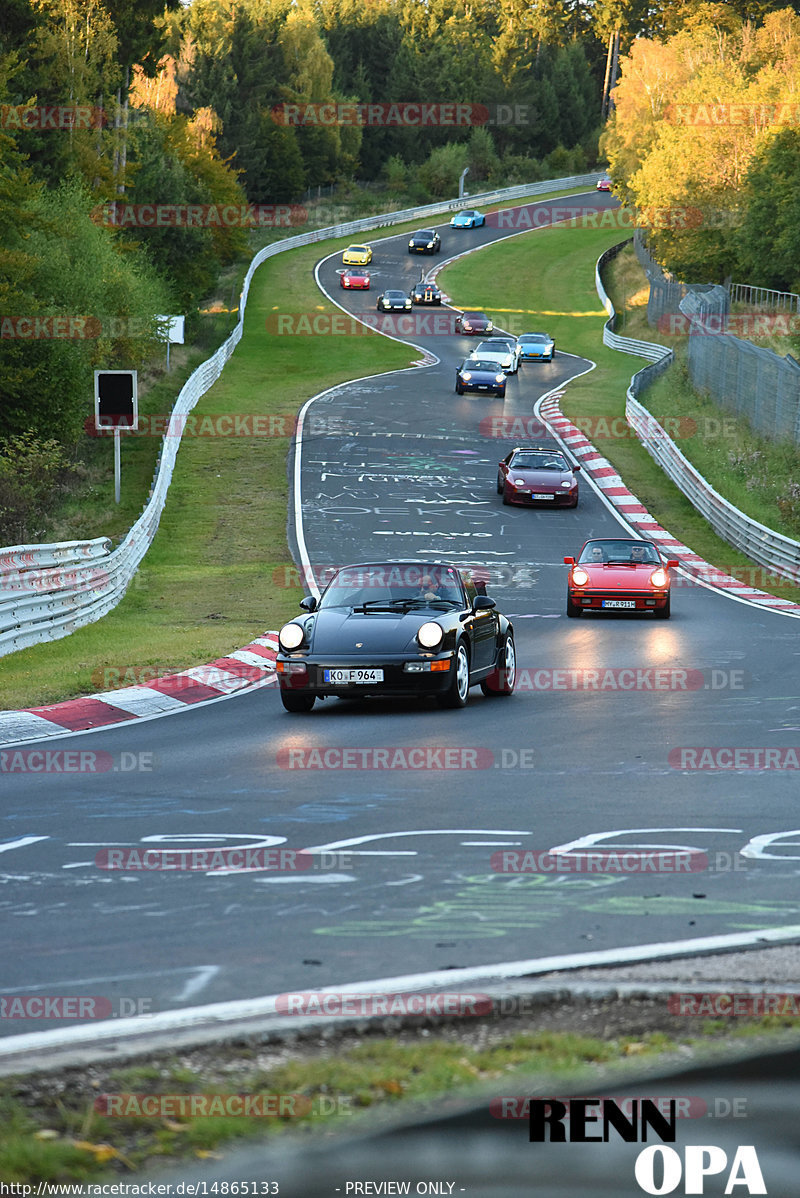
x=468, y=218
x=536, y=347
x=480, y=375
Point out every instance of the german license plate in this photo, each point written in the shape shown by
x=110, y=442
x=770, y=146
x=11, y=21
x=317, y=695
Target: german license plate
x=363, y=677
x=483, y=386
x=544, y=497
x=619, y=603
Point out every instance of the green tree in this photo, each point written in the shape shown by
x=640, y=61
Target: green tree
x=768, y=240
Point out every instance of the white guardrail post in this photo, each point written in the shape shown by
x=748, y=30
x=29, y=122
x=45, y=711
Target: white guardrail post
x=776, y=552
x=47, y=591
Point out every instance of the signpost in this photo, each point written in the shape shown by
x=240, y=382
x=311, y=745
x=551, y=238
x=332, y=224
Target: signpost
x=171, y=329
x=116, y=406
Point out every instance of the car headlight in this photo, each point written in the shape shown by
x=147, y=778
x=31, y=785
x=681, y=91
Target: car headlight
x=519, y=482
x=430, y=245
x=430, y=635
x=466, y=376
x=580, y=577
x=659, y=578
x=291, y=636
x=499, y=378
x=489, y=327
x=407, y=304
x=411, y=245
x=567, y=484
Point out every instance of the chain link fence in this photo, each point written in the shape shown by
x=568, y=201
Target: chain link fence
x=747, y=379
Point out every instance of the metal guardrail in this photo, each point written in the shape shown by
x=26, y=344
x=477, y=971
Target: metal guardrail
x=764, y=297
x=771, y=549
x=626, y=345
x=39, y=600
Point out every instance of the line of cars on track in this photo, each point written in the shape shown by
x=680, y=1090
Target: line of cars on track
x=488, y=364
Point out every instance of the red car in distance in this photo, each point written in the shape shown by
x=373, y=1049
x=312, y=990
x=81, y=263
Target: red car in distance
x=473, y=323
x=355, y=279
x=535, y=475
x=619, y=574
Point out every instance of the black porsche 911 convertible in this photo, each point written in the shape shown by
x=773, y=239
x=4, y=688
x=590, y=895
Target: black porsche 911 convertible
x=396, y=629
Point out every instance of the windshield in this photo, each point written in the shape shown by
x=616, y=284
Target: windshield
x=381, y=586
x=475, y=364
x=537, y=338
x=620, y=551
x=539, y=461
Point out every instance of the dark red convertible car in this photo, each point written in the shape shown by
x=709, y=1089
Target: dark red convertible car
x=622, y=574
x=535, y=475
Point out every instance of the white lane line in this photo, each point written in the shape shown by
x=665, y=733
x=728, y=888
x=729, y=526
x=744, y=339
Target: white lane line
x=20, y=843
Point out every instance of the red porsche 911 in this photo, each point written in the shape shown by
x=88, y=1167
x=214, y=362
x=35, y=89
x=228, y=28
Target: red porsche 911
x=355, y=280
x=534, y=475
x=622, y=574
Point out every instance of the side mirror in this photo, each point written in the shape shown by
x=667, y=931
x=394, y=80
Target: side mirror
x=309, y=603
x=575, y=469
x=483, y=603
x=569, y=561
x=673, y=561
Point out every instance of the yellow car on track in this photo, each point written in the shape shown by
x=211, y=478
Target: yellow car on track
x=357, y=255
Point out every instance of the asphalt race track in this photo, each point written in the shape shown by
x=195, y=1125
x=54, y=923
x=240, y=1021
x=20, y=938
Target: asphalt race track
x=400, y=466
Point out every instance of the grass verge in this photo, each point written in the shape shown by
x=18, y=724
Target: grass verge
x=93, y=1124
x=517, y=280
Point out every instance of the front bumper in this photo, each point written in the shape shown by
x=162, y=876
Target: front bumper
x=398, y=679
x=643, y=600
x=484, y=388
x=525, y=499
